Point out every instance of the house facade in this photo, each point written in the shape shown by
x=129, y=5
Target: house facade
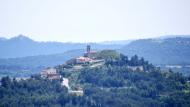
x=50, y=73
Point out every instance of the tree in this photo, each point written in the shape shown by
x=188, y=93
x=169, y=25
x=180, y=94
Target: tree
x=6, y=82
x=134, y=61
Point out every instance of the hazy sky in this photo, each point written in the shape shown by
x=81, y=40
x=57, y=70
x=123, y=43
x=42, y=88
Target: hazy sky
x=93, y=20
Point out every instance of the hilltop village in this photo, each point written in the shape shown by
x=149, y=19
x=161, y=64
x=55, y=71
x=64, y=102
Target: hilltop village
x=89, y=59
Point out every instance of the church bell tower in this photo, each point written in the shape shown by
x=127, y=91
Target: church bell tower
x=88, y=49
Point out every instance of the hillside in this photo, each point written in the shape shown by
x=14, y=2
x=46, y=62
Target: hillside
x=167, y=51
x=113, y=84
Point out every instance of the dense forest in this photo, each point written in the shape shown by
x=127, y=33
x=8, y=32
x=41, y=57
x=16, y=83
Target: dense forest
x=113, y=84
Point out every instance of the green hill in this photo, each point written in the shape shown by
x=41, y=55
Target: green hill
x=113, y=84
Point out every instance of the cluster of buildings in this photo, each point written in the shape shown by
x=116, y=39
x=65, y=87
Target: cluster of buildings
x=50, y=73
x=89, y=57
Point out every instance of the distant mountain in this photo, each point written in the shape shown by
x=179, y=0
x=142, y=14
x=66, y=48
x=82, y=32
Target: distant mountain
x=161, y=51
x=41, y=60
x=22, y=46
x=118, y=42
x=2, y=39
x=172, y=36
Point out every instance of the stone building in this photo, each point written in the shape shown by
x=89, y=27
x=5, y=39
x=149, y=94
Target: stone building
x=50, y=73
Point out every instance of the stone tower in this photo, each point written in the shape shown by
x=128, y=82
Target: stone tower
x=88, y=49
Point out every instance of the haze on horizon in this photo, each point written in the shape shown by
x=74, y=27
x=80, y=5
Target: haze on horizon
x=93, y=20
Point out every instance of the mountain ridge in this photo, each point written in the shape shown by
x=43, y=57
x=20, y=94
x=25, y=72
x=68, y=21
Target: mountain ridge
x=161, y=51
x=22, y=46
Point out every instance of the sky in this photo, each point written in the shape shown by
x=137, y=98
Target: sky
x=93, y=20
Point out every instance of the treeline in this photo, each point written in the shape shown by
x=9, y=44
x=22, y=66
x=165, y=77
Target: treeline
x=133, y=61
x=37, y=92
x=114, y=58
